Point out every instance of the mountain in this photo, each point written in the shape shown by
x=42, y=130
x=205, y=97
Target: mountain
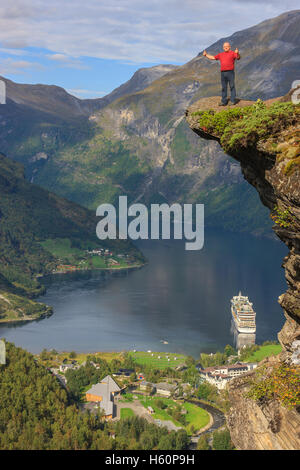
x=140, y=145
x=57, y=102
x=38, y=232
x=140, y=80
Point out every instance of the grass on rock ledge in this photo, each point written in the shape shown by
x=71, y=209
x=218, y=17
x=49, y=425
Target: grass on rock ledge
x=242, y=127
x=281, y=383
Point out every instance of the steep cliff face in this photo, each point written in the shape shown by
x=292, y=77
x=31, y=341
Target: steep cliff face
x=265, y=139
x=261, y=426
x=269, y=158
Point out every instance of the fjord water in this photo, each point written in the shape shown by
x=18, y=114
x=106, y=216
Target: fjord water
x=182, y=297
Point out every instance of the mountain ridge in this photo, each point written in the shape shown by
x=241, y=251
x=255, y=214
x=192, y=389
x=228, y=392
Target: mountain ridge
x=42, y=97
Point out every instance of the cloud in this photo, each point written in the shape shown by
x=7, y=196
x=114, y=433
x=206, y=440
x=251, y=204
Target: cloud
x=11, y=66
x=67, y=61
x=132, y=31
x=15, y=52
x=81, y=93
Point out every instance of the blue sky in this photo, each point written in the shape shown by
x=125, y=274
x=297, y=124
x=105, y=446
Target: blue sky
x=89, y=48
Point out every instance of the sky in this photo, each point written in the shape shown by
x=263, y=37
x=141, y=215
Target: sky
x=90, y=47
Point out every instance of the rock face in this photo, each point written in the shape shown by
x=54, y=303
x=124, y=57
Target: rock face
x=264, y=167
x=261, y=427
x=271, y=165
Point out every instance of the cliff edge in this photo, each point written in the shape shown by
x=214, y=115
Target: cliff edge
x=265, y=138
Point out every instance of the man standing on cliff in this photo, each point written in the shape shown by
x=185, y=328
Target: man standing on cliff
x=227, y=59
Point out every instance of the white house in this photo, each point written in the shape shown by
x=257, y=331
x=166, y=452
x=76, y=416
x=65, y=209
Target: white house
x=221, y=375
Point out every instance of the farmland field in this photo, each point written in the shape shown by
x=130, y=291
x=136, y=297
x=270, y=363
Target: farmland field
x=158, y=360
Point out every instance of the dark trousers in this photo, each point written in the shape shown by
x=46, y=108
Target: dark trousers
x=227, y=77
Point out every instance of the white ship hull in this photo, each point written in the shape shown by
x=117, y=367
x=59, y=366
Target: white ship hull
x=241, y=339
x=242, y=329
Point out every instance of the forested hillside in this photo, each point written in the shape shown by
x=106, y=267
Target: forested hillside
x=29, y=216
x=36, y=413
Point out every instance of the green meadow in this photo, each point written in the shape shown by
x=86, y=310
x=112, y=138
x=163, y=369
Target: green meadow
x=264, y=351
x=158, y=360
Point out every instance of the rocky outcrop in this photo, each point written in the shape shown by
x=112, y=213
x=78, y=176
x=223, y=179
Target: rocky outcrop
x=266, y=165
x=267, y=426
x=269, y=162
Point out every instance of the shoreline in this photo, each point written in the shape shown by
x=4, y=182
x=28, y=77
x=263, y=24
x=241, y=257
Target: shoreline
x=27, y=320
x=87, y=270
x=50, y=312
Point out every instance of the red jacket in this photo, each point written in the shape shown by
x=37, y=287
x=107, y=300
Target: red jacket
x=227, y=60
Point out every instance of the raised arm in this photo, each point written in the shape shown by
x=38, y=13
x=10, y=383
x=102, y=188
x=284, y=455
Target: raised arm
x=211, y=57
x=237, y=54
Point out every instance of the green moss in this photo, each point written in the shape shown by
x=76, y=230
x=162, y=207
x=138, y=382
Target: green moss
x=281, y=383
x=241, y=127
x=291, y=166
x=218, y=122
x=284, y=218
x=288, y=151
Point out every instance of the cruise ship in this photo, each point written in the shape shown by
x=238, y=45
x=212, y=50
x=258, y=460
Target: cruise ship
x=243, y=314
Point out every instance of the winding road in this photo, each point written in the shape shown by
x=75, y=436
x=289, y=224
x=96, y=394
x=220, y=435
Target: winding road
x=218, y=421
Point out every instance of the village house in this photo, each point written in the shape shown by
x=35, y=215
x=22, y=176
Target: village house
x=147, y=386
x=165, y=389
x=95, y=252
x=65, y=367
x=221, y=375
x=114, y=261
x=103, y=393
x=94, y=365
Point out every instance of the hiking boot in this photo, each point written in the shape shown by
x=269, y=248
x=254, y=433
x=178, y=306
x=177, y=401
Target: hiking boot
x=222, y=104
x=234, y=102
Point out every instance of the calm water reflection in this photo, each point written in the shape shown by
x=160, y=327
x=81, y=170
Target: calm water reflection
x=182, y=297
